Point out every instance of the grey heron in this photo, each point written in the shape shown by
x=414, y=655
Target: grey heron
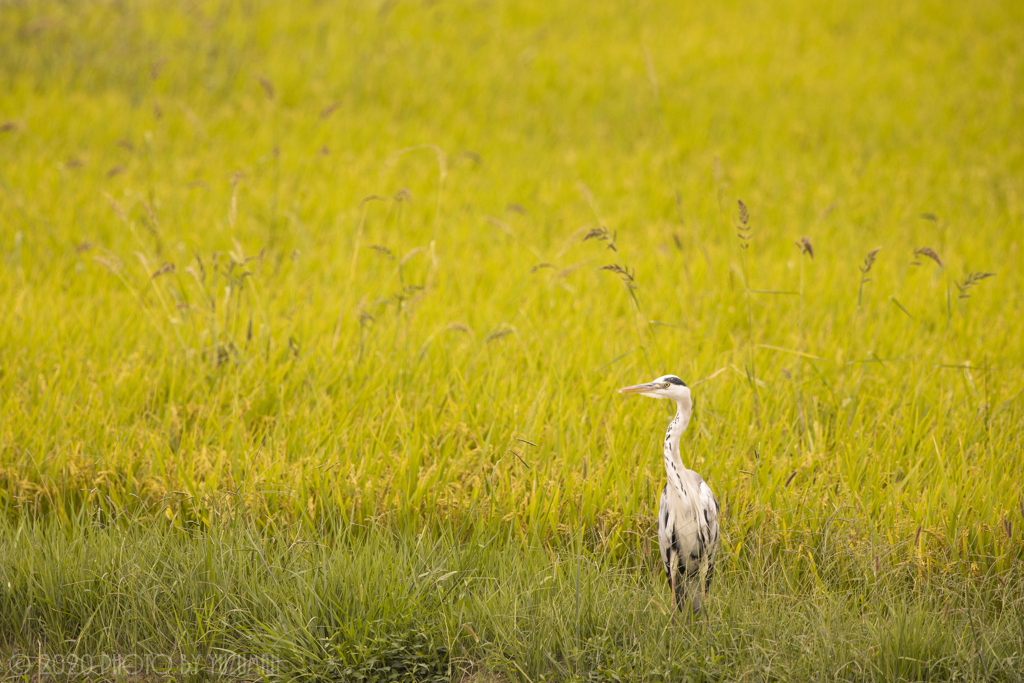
x=688, y=519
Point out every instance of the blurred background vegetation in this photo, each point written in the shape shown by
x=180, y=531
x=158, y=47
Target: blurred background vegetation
x=333, y=257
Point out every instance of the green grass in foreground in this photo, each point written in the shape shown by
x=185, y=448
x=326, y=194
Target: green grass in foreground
x=465, y=605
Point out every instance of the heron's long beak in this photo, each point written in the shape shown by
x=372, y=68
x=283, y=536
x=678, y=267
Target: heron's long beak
x=641, y=388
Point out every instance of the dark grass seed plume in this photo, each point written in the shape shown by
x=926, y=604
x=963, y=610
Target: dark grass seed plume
x=745, y=232
x=927, y=252
x=268, y=87
x=970, y=280
x=865, y=268
x=498, y=334
x=383, y=251
x=328, y=110
x=743, y=228
x=602, y=234
x=163, y=270
x=626, y=274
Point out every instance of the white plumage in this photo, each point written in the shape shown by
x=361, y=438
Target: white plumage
x=688, y=518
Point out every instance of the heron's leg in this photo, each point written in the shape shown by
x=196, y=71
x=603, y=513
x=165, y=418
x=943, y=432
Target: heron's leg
x=703, y=593
x=672, y=582
x=700, y=579
x=672, y=574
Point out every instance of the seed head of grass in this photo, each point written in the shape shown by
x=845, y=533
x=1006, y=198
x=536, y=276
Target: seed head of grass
x=118, y=210
x=865, y=268
x=268, y=87
x=743, y=228
x=328, y=110
x=625, y=273
x=498, y=334
x=149, y=212
x=869, y=261
x=805, y=246
x=472, y=156
x=602, y=234
x=163, y=270
x=110, y=262
x=156, y=67
x=970, y=280
x=928, y=252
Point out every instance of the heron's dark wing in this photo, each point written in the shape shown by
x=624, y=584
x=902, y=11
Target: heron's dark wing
x=709, y=534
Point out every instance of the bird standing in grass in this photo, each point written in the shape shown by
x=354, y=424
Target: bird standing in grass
x=688, y=519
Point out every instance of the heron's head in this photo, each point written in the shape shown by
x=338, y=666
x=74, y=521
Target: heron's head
x=667, y=386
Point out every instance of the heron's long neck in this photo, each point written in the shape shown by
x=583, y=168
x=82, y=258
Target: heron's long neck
x=674, y=467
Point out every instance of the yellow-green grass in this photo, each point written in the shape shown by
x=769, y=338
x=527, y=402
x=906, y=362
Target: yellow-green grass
x=330, y=258
x=77, y=597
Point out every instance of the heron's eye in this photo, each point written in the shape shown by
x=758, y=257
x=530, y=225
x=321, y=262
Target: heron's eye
x=665, y=385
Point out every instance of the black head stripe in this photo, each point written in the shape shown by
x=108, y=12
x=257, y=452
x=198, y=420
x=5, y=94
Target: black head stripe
x=672, y=379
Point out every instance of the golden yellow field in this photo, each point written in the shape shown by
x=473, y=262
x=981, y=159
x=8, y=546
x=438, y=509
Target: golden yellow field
x=334, y=259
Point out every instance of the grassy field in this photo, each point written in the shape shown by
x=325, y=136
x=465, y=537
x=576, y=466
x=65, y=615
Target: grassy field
x=364, y=277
